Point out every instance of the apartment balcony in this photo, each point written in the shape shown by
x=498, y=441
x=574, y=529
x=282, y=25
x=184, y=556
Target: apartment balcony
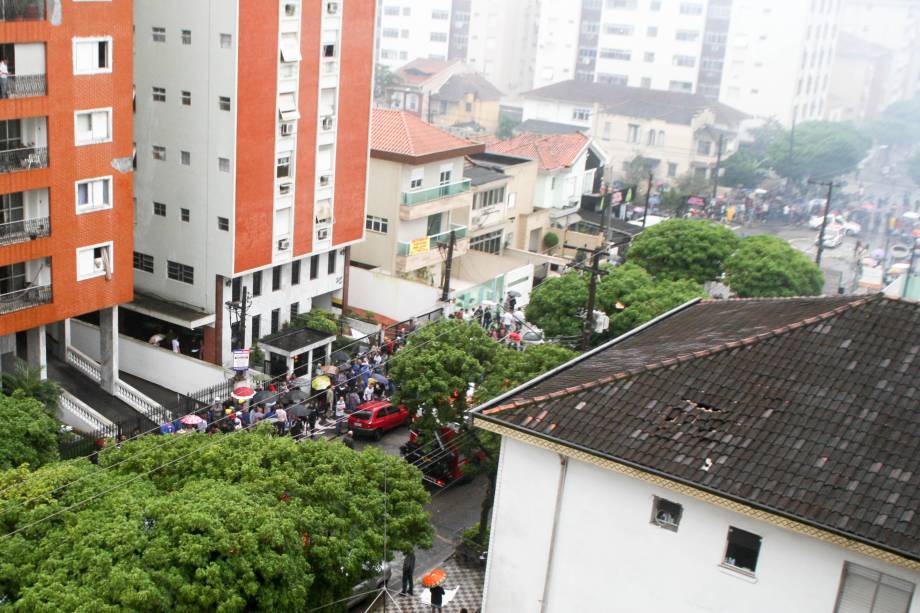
x=420, y=203
x=25, y=86
x=25, y=285
x=22, y=10
x=26, y=230
x=426, y=251
x=23, y=158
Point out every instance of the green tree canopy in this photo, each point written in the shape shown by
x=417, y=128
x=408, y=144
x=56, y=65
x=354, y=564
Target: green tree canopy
x=558, y=304
x=767, y=266
x=683, y=249
x=745, y=169
x=439, y=361
x=28, y=380
x=228, y=523
x=28, y=435
x=631, y=297
x=321, y=321
x=512, y=368
x=822, y=149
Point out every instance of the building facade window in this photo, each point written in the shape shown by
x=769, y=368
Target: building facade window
x=314, y=267
x=488, y=198
x=684, y=61
x=276, y=320
x=180, y=272
x=672, y=170
x=581, y=114
x=742, y=550
x=95, y=261
x=295, y=272
x=490, y=242
x=159, y=209
x=863, y=590
x=295, y=310
x=223, y=223
x=226, y=41
x=616, y=54
x=256, y=327
x=283, y=167
x=376, y=224
x=185, y=215
x=143, y=262
x=186, y=37
x=159, y=34
x=632, y=133
x=666, y=514
x=223, y=164
x=223, y=103
x=185, y=158
x=618, y=29
x=94, y=194
x=159, y=153
x=257, y=283
x=92, y=55
x=691, y=8
x=276, y=278
x=93, y=126
x=703, y=147
x=186, y=98
x=330, y=263
x=159, y=94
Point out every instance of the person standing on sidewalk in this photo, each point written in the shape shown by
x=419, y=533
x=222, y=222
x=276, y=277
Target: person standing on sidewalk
x=340, y=415
x=408, y=570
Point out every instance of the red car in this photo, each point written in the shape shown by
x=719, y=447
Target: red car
x=378, y=416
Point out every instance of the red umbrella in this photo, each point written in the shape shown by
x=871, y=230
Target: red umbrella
x=434, y=578
x=243, y=393
x=191, y=420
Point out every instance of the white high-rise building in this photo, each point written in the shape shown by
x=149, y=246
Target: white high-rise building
x=779, y=58
x=409, y=29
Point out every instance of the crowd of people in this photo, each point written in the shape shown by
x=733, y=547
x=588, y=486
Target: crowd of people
x=504, y=323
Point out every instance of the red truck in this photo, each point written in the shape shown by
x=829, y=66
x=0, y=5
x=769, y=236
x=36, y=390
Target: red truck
x=441, y=461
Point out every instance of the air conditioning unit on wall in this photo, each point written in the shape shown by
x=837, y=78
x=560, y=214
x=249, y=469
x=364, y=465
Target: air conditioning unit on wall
x=284, y=244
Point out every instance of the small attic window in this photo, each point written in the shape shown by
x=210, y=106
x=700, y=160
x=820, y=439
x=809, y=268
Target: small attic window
x=666, y=514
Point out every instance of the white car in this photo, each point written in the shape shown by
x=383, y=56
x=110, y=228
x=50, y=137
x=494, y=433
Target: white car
x=850, y=228
x=833, y=236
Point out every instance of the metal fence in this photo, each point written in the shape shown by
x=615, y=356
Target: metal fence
x=25, y=86
x=25, y=298
x=14, y=160
x=23, y=230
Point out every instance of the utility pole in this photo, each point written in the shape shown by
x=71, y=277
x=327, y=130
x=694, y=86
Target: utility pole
x=715, y=171
x=910, y=268
x=648, y=195
x=445, y=292
x=595, y=273
x=827, y=210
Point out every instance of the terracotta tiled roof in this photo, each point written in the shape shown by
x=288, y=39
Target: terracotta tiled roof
x=552, y=151
x=421, y=69
x=807, y=408
x=402, y=133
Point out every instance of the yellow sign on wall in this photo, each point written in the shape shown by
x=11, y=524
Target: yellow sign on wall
x=419, y=245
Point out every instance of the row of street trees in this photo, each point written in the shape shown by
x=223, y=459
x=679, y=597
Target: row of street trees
x=667, y=265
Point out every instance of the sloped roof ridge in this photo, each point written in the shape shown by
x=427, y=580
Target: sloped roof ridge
x=686, y=357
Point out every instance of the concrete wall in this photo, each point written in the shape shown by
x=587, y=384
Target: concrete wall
x=610, y=557
x=173, y=371
x=391, y=296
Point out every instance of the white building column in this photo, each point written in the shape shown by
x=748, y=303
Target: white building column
x=108, y=348
x=60, y=331
x=328, y=354
x=36, y=354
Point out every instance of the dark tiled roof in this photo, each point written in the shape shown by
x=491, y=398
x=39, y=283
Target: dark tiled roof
x=805, y=407
x=460, y=85
x=293, y=340
x=481, y=175
x=673, y=107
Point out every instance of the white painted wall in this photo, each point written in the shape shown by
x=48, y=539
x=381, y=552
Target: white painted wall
x=390, y=296
x=174, y=371
x=610, y=557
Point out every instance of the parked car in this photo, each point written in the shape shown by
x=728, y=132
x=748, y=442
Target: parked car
x=833, y=236
x=441, y=461
x=364, y=590
x=377, y=417
x=851, y=228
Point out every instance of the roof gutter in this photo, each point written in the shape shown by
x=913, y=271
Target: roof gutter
x=550, y=373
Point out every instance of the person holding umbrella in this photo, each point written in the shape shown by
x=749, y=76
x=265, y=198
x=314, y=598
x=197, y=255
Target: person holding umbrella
x=408, y=570
x=434, y=582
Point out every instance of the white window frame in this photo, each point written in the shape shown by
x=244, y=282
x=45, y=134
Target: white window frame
x=287, y=106
x=90, y=208
x=101, y=270
x=92, y=141
x=290, y=48
x=92, y=39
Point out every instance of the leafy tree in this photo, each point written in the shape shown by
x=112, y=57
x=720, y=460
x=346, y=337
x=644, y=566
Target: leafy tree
x=384, y=80
x=28, y=380
x=228, y=523
x=550, y=240
x=674, y=201
x=28, y=435
x=892, y=130
x=557, y=306
x=506, y=126
x=683, y=249
x=631, y=297
x=438, y=364
x=766, y=266
x=322, y=321
x=822, y=149
x=636, y=173
x=743, y=169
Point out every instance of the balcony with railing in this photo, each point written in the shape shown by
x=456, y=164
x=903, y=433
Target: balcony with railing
x=24, y=230
x=419, y=203
x=25, y=69
x=23, y=86
x=25, y=298
x=426, y=251
x=22, y=10
x=23, y=158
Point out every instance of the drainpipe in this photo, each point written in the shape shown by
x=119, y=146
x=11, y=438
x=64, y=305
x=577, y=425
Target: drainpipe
x=560, y=487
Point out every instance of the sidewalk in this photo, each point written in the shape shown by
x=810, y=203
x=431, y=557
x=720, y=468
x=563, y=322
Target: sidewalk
x=469, y=578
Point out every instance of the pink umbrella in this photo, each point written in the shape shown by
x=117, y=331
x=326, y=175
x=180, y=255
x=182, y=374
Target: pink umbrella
x=243, y=393
x=191, y=420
